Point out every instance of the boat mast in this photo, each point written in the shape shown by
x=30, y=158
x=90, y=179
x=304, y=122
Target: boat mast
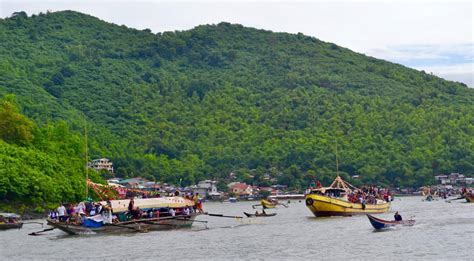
x=87, y=167
x=337, y=163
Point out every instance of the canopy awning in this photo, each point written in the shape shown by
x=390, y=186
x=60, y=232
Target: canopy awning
x=9, y=215
x=145, y=203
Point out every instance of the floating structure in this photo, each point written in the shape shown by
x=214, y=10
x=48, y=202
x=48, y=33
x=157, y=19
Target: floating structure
x=96, y=224
x=260, y=214
x=10, y=220
x=334, y=201
x=380, y=224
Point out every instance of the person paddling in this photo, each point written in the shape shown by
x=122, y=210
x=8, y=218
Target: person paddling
x=397, y=217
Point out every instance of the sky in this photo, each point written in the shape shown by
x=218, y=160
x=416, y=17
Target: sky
x=435, y=36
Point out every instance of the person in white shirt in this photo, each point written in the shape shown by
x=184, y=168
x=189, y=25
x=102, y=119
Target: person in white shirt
x=172, y=212
x=81, y=208
x=62, y=213
x=107, y=215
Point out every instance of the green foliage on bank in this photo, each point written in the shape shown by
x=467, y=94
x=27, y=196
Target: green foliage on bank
x=188, y=105
x=40, y=166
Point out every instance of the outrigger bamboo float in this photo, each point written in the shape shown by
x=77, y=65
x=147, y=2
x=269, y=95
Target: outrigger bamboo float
x=120, y=207
x=333, y=201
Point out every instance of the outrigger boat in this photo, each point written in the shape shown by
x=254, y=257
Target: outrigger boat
x=260, y=214
x=333, y=201
x=10, y=220
x=380, y=224
x=119, y=207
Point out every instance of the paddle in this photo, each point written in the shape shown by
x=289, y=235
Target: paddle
x=37, y=233
x=221, y=215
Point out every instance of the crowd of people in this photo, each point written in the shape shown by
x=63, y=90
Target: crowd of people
x=76, y=213
x=369, y=195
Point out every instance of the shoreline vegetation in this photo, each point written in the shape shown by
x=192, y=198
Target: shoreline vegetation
x=222, y=102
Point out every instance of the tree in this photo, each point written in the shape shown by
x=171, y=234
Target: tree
x=14, y=127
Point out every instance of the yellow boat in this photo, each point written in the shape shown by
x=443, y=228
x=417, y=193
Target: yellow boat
x=332, y=201
x=267, y=204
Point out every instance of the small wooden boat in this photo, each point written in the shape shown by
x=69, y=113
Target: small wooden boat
x=260, y=214
x=10, y=220
x=378, y=223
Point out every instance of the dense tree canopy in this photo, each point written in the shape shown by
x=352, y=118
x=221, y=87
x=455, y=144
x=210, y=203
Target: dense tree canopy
x=216, y=99
x=40, y=166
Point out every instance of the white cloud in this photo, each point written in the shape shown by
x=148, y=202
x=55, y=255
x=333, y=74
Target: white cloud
x=456, y=72
x=439, y=53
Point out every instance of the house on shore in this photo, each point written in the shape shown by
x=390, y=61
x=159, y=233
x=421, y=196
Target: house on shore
x=240, y=190
x=454, y=179
x=206, y=188
x=101, y=164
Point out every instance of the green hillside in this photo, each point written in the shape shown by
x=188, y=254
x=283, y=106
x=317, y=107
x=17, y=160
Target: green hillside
x=40, y=166
x=224, y=98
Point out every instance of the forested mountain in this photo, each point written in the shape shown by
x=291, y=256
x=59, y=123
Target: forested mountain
x=216, y=99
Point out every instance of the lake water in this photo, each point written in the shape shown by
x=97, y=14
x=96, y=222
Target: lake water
x=442, y=231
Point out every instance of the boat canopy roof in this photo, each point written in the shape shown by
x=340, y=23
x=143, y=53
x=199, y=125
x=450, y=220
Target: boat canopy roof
x=9, y=215
x=341, y=184
x=145, y=203
x=338, y=185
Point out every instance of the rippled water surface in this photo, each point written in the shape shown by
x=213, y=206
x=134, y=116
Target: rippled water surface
x=442, y=231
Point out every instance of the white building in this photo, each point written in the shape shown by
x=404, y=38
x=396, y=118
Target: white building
x=99, y=164
x=453, y=179
x=206, y=188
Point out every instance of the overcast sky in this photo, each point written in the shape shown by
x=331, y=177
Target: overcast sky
x=435, y=36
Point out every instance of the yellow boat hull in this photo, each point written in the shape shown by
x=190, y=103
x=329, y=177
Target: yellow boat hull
x=323, y=206
x=267, y=204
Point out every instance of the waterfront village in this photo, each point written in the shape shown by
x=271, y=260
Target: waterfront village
x=208, y=189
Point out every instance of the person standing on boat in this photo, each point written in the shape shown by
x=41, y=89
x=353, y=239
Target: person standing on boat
x=62, y=213
x=318, y=184
x=131, y=205
x=81, y=208
x=197, y=203
x=107, y=214
x=397, y=217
